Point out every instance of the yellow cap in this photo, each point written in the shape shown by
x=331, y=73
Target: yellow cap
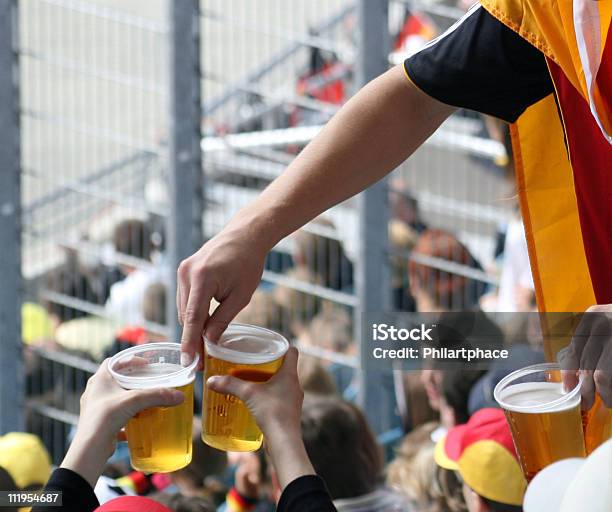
x=25, y=458
x=35, y=323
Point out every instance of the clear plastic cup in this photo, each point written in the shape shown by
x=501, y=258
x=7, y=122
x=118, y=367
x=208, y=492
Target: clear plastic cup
x=250, y=353
x=545, y=419
x=160, y=438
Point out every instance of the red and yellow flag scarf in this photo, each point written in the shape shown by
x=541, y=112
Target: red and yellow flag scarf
x=563, y=151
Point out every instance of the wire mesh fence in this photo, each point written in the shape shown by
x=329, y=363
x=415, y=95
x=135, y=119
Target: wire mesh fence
x=100, y=200
x=94, y=180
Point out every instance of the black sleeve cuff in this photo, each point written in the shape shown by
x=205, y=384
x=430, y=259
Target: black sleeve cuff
x=481, y=64
x=306, y=494
x=77, y=494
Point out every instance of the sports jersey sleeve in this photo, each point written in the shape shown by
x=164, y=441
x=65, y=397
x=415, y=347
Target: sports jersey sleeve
x=480, y=64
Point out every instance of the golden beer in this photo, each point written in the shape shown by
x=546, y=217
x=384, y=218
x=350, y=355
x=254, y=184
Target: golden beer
x=159, y=438
x=545, y=421
x=249, y=353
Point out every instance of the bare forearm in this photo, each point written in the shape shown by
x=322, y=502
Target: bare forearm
x=288, y=456
x=372, y=134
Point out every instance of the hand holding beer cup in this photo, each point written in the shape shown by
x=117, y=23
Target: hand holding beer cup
x=589, y=356
x=105, y=408
x=249, y=353
x=276, y=406
x=159, y=438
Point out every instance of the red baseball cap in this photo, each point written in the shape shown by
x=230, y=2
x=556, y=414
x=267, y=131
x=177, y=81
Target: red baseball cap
x=483, y=453
x=132, y=504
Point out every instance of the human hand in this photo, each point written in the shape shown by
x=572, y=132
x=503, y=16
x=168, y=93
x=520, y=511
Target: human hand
x=105, y=408
x=247, y=479
x=589, y=356
x=276, y=406
x=227, y=268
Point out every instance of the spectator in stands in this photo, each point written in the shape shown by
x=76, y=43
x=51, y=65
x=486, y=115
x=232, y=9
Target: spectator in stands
x=344, y=452
x=25, y=460
x=405, y=207
x=415, y=474
x=295, y=308
x=72, y=280
x=314, y=376
x=448, y=388
x=405, y=226
x=413, y=407
x=431, y=379
x=456, y=385
x=178, y=502
x=154, y=304
x=324, y=257
x=132, y=238
x=154, y=311
x=331, y=330
x=483, y=454
x=440, y=290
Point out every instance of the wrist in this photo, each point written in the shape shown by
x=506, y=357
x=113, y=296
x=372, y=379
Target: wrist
x=263, y=226
x=289, y=456
x=87, y=456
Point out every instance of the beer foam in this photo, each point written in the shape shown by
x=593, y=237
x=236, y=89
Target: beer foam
x=151, y=370
x=152, y=365
x=248, y=344
x=537, y=397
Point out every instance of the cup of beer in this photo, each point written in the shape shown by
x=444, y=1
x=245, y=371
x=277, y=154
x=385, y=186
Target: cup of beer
x=159, y=438
x=545, y=419
x=249, y=353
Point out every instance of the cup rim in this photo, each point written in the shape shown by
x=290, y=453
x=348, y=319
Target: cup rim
x=545, y=407
x=185, y=375
x=230, y=355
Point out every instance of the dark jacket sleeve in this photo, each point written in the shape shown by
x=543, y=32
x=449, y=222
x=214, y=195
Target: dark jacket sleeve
x=77, y=494
x=306, y=494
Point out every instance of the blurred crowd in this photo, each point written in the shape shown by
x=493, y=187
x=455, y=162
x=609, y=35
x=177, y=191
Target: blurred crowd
x=454, y=452
x=449, y=413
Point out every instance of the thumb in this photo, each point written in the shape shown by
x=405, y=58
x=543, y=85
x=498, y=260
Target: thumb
x=226, y=384
x=160, y=397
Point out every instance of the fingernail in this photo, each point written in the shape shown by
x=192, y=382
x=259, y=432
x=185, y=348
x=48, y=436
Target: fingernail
x=186, y=359
x=213, y=381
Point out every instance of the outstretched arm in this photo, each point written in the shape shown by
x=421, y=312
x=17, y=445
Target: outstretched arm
x=373, y=133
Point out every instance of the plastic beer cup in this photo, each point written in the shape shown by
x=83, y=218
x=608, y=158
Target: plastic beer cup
x=159, y=438
x=249, y=353
x=545, y=420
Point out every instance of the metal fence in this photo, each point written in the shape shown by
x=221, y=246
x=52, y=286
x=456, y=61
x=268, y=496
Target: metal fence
x=146, y=125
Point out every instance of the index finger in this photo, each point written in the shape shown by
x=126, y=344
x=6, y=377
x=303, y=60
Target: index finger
x=195, y=318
